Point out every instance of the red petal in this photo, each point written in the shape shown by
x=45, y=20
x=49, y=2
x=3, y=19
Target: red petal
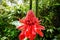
x=31, y=39
x=33, y=32
x=21, y=36
x=39, y=32
x=22, y=27
x=30, y=14
x=21, y=20
x=28, y=32
x=32, y=35
x=41, y=27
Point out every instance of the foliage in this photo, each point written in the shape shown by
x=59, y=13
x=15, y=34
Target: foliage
x=48, y=12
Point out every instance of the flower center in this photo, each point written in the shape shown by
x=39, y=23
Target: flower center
x=29, y=22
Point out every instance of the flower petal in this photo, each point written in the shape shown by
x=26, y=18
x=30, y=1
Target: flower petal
x=21, y=20
x=32, y=35
x=31, y=39
x=41, y=27
x=22, y=27
x=21, y=36
x=39, y=32
x=28, y=32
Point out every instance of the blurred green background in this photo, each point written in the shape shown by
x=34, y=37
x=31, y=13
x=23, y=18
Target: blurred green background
x=12, y=10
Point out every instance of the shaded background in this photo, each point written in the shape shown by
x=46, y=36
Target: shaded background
x=12, y=10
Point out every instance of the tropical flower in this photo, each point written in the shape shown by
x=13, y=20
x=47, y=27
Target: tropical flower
x=31, y=26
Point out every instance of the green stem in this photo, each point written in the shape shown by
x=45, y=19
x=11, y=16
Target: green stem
x=36, y=7
x=30, y=4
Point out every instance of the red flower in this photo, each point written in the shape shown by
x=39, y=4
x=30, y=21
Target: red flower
x=31, y=27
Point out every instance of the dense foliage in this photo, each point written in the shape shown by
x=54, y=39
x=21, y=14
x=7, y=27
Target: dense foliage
x=48, y=12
